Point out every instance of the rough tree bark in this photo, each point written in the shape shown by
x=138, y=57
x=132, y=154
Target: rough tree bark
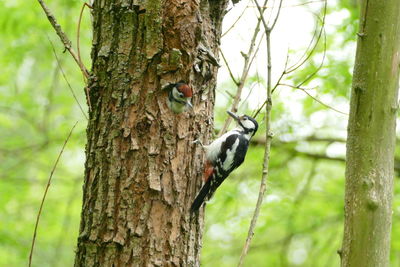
x=142, y=172
x=371, y=137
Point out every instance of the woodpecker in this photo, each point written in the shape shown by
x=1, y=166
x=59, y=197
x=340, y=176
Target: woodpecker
x=179, y=96
x=223, y=155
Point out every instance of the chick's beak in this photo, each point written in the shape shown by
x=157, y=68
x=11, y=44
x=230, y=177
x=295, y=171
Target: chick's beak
x=189, y=104
x=233, y=115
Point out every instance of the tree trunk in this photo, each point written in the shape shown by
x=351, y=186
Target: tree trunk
x=371, y=137
x=142, y=172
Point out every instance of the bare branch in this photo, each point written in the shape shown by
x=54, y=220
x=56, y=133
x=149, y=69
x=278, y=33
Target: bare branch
x=312, y=155
x=248, y=61
x=310, y=138
x=63, y=37
x=229, y=68
x=268, y=136
x=248, y=95
x=276, y=17
x=66, y=80
x=306, y=51
x=45, y=193
x=79, y=30
x=296, y=5
x=316, y=99
x=234, y=23
x=320, y=65
x=301, y=62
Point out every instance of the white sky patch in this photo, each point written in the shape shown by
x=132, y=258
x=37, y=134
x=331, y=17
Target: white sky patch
x=272, y=198
x=336, y=149
x=292, y=33
x=289, y=33
x=25, y=71
x=318, y=118
x=298, y=256
x=298, y=251
x=219, y=232
x=75, y=157
x=398, y=128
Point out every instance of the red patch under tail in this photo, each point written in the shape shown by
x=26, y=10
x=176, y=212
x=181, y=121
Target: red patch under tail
x=208, y=171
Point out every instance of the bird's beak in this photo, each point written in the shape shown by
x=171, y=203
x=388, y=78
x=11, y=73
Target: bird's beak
x=189, y=104
x=233, y=115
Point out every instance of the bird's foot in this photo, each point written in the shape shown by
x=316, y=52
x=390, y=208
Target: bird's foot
x=198, y=142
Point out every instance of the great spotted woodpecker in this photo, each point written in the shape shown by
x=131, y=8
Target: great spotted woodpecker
x=179, y=96
x=225, y=154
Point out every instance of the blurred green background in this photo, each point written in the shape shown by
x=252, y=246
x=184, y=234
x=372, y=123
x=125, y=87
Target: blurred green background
x=301, y=220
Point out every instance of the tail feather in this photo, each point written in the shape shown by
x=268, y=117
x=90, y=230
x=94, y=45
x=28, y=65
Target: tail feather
x=198, y=201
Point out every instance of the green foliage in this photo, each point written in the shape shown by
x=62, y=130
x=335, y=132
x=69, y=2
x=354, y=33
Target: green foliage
x=301, y=221
x=36, y=113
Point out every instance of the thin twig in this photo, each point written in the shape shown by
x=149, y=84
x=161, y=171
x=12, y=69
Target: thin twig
x=299, y=64
x=316, y=99
x=63, y=37
x=78, y=35
x=320, y=65
x=50, y=100
x=306, y=51
x=248, y=61
x=268, y=136
x=257, y=49
x=249, y=94
x=302, y=61
x=78, y=32
x=296, y=5
x=234, y=24
x=45, y=193
x=266, y=27
x=276, y=17
x=65, y=78
x=229, y=68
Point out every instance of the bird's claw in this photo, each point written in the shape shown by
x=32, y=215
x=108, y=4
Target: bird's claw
x=198, y=142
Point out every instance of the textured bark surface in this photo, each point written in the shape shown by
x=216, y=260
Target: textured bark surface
x=371, y=137
x=142, y=172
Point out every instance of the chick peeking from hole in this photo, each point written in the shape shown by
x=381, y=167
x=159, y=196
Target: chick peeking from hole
x=179, y=96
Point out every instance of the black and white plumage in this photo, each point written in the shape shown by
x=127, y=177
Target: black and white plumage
x=225, y=154
x=179, y=96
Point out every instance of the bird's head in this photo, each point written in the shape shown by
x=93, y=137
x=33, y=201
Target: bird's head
x=246, y=123
x=183, y=92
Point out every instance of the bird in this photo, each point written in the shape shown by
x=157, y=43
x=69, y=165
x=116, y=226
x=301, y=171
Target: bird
x=179, y=96
x=224, y=155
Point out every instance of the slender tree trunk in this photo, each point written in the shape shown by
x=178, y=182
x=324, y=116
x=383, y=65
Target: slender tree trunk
x=142, y=172
x=371, y=137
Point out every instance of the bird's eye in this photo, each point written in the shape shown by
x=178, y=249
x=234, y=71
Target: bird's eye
x=180, y=94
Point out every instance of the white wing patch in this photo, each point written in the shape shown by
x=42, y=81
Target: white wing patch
x=214, y=148
x=230, y=154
